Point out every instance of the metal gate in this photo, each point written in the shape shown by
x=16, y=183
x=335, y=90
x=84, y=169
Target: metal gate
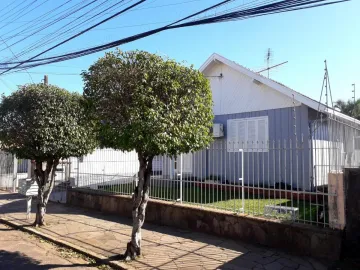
x=62, y=182
x=7, y=171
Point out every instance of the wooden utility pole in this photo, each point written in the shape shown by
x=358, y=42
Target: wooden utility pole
x=31, y=163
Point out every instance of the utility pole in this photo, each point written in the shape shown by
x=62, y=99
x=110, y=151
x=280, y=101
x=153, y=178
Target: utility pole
x=31, y=164
x=354, y=99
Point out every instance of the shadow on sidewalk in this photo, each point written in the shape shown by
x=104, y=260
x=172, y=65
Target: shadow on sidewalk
x=250, y=256
x=20, y=261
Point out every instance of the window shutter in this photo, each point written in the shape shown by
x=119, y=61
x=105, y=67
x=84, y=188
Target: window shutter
x=232, y=131
x=249, y=134
x=232, y=135
x=252, y=134
x=241, y=126
x=262, y=133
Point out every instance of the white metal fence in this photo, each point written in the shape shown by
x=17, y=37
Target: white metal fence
x=282, y=179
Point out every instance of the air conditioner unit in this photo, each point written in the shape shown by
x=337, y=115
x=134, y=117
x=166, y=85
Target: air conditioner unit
x=218, y=130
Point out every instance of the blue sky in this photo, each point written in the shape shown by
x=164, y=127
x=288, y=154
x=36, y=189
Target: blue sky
x=304, y=38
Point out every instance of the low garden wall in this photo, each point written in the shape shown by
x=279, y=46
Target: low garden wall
x=300, y=239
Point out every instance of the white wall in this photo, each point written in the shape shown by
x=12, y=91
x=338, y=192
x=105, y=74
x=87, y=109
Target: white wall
x=237, y=93
x=327, y=156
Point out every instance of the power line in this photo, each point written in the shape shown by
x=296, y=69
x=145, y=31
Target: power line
x=50, y=39
x=273, y=8
x=14, y=8
x=133, y=10
x=82, y=32
x=120, y=27
x=55, y=21
x=50, y=73
x=151, y=32
x=34, y=22
x=16, y=58
x=18, y=13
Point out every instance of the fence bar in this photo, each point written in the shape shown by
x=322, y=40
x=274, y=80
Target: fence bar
x=280, y=177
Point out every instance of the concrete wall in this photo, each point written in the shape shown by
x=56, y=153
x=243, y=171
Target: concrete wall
x=297, y=238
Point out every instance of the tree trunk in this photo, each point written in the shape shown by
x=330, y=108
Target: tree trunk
x=45, y=180
x=140, y=199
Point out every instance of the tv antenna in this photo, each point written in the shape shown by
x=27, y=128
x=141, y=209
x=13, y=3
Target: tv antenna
x=268, y=68
x=269, y=58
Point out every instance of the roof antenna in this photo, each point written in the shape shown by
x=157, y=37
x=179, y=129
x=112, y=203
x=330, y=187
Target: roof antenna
x=269, y=57
x=354, y=113
x=326, y=85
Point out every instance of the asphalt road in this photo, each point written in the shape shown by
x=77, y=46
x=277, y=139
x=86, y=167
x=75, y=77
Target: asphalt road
x=19, y=250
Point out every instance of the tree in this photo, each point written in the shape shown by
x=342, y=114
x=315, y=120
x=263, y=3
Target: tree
x=152, y=105
x=349, y=108
x=47, y=124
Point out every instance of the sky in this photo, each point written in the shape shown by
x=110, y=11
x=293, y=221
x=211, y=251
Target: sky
x=303, y=38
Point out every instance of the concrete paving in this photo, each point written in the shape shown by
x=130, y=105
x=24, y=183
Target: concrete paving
x=163, y=247
x=19, y=250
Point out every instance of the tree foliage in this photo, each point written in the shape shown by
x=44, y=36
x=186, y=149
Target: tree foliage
x=349, y=108
x=150, y=104
x=45, y=123
x=153, y=105
x=42, y=122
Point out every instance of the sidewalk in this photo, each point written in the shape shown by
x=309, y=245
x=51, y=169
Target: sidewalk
x=163, y=247
x=19, y=251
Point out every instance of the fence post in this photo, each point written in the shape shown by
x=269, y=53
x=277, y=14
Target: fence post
x=181, y=173
x=78, y=172
x=30, y=168
x=15, y=165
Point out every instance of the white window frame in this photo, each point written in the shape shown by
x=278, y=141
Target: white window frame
x=249, y=144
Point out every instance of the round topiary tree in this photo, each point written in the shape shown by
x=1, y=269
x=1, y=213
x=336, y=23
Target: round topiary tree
x=46, y=124
x=152, y=105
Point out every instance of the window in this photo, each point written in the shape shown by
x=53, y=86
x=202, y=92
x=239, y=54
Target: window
x=249, y=134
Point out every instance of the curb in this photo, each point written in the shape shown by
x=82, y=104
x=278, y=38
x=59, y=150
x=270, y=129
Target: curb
x=93, y=255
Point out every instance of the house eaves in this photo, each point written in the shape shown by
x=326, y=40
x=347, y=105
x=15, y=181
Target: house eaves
x=311, y=103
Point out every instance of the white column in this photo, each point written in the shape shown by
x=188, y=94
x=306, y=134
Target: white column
x=15, y=182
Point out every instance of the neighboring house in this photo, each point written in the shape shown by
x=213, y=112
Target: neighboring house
x=280, y=135
x=107, y=166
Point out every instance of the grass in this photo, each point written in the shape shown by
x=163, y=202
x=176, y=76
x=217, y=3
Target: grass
x=230, y=200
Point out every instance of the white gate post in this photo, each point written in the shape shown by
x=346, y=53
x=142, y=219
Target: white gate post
x=15, y=184
x=78, y=172
x=181, y=173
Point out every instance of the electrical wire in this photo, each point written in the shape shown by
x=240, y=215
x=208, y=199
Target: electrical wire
x=133, y=10
x=32, y=23
x=50, y=37
x=14, y=55
x=273, y=8
x=55, y=21
x=84, y=31
x=20, y=12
